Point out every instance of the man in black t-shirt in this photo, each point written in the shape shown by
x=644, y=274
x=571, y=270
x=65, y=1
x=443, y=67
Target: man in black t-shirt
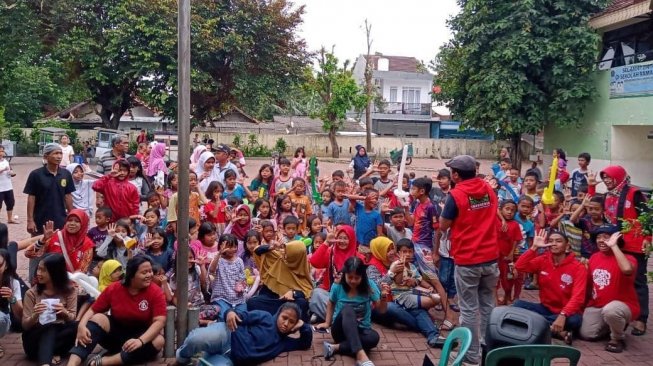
x=48, y=191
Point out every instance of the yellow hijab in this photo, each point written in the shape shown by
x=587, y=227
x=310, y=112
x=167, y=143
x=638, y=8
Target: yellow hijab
x=108, y=267
x=379, y=248
x=289, y=273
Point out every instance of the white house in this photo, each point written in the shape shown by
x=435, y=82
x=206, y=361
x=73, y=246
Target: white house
x=405, y=86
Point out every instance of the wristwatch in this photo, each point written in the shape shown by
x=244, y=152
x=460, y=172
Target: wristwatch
x=391, y=275
x=563, y=314
x=12, y=300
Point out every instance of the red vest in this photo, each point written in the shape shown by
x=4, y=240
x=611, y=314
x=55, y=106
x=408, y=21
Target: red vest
x=473, y=232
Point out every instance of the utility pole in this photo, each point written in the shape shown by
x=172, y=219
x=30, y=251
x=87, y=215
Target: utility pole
x=369, y=69
x=183, y=129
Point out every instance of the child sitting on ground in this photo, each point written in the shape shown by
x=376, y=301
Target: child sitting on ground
x=228, y=288
x=408, y=288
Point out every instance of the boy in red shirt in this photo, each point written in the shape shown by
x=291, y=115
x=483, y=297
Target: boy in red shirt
x=120, y=195
x=614, y=301
x=562, y=279
x=508, y=236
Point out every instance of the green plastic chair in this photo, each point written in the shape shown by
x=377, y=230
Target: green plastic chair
x=460, y=335
x=533, y=355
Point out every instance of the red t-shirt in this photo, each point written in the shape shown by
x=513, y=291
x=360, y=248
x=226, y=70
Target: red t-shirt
x=609, y=283
x=130, y=309
x=507, y=239
x=220, y=218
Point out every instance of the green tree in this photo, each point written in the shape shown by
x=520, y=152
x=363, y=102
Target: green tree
x=339, y=94
x=514, y=66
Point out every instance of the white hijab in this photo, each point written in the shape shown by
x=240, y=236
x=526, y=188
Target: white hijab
x=199, y=169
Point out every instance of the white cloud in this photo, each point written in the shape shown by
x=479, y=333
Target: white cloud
x=399, y=28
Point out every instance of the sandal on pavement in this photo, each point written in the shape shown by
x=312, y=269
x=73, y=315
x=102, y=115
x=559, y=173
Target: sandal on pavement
x=568, y=338
x=617, y=347
x=638, y=331
x=447, y=326
x=328, y=350
x=56, y=361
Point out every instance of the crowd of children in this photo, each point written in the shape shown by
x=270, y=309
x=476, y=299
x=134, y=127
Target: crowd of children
x=337, y=218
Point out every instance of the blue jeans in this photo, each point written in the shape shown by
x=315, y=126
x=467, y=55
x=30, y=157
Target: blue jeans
x=214, y=341
x=415, y=319
x=446, y=274
x=225, y=305
x=572, y=323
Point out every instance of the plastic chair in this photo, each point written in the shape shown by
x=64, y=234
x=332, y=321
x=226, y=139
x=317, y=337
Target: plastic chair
x=533, y=355
x=460, y=335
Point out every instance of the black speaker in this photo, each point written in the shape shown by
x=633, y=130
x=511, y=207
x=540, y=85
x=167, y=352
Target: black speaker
x=510, y=326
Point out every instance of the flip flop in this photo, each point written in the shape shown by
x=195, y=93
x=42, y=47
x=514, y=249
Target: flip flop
x=447, y=326
x=615, y=347
x=638, y=332
x=56, y=361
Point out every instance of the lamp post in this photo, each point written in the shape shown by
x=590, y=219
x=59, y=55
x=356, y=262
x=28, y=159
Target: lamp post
x=183, y=129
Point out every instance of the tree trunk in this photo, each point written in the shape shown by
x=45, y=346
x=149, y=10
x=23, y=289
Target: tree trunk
x=516, y=153
x=335, y=150
x=368, y=126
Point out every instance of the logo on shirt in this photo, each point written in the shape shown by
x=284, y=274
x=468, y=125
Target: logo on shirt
x=479, y=203
x=601, y=278
x=143, y=305
x=64, y=183
x=566, y=279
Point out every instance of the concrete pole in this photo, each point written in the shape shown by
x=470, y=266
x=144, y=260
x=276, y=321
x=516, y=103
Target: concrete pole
x=183, y=157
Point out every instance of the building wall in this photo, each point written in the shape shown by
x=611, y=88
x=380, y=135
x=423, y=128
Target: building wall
x=630, y=118
x=423, y=85
x=319, y=145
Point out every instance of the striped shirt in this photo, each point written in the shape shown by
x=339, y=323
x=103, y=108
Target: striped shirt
x=105, y=164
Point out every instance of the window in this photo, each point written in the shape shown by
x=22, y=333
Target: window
x=628, y=45
x=410, y=96
x=393, y=94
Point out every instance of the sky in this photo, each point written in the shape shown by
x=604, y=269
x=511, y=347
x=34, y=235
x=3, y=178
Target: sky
x=399, y=28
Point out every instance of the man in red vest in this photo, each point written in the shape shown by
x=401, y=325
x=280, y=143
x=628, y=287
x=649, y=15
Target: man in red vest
x=471, y=213
x=623, y=203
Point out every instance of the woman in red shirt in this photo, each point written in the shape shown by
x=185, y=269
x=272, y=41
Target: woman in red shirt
x=131, y=334
x=562, y=281
x=614, y=301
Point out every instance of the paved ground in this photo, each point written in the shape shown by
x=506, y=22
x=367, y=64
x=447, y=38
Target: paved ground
x=396, y=347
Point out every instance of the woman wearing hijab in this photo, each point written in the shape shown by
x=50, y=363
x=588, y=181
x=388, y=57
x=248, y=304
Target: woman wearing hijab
x=204, y=170
x=110, y=272
x=285, y=276
x=195, y=156
x=622, y=204
x=157, y=160
x=71, y=241
x=418, y=320
x=360, y=162
x=83, y=195
x=331, y=256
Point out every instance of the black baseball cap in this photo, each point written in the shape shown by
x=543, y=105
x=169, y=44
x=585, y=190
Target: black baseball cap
x=221, y=147
x=463, y=163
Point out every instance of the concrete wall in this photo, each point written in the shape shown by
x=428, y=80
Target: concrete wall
x=318, y=145
x=613, y=131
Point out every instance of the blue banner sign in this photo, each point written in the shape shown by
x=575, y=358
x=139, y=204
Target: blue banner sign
x=631, y=80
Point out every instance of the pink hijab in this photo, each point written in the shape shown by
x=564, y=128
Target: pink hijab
x=157, y=162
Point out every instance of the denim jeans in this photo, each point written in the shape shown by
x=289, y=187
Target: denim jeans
x=214, y=341
x=572, y=323
x=475, y=286
x=446, y=273
x=224, y=306
x=5, y=324
x=414, y=319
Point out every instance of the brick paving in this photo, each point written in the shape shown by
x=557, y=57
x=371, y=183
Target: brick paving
x=396, y=347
